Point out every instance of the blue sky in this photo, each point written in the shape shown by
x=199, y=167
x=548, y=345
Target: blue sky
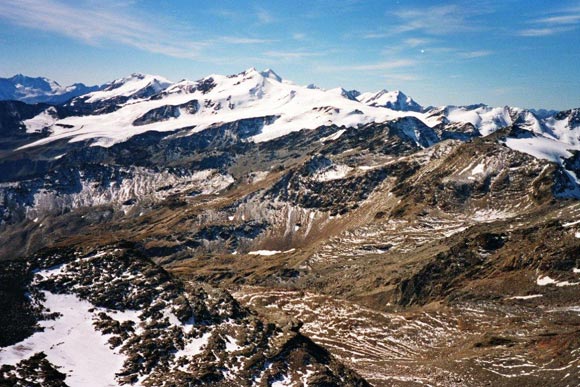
x=511, y=52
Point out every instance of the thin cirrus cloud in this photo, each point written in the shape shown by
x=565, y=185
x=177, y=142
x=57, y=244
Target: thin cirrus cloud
x=264, y=16
x=402, y=77
x=94, y=26
x=475, y=54
x=380, y=66
x=240, y=40
x=435, y=20
x=299, y=36
x=548, y=31
x=430, y=50
x=563, y=19
x=416, y=42
x=290, y=55
x=557, y=23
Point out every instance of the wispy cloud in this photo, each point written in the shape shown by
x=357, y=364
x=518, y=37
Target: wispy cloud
x=290, y=55
x=299, y=36
x=264, y=16
x=380, y=66
x=432, y=21
x=95, y=23
x=377, y=35
x=556, y=23
x=431, y=51
x=242, y=40
x=564, y=19
x=416, y=42
x=475, y=54
x=537, y=32
x=224, y=13
x=402, y=77
x=503, y=90
x=438, y=20
x=441, y=50
x=408, y=46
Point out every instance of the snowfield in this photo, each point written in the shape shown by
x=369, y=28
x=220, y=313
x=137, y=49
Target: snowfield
x=65, y=342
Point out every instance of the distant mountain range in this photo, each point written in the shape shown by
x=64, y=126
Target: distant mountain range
x=138, y=103
x=40, y=90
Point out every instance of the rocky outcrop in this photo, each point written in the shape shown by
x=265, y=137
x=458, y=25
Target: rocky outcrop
x=166, y=112
x=164, y=331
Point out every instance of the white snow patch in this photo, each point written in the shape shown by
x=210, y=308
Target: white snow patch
x=286, y=381
x=541, y=148
x=231, y=344
x=45, y=119
x=566, y=309
x=258, y=176
x=51, y=271
x=563, y=130
x=567, y=283
x=333, y=136
x=194, y=346
x=489, y=215
x=265, y=252
x=70, y=342
x=270, y=252
x=545, y=148
x=524, y=297
x=479, y=168
x=335, y=172
x=486, y=119
x=545, y=280
x=304, y=378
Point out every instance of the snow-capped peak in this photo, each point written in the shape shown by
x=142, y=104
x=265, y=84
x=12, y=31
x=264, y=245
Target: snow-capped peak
x=136, y=85
x=565, y=126
x=141, y=103
x=344, y=93
x=252, y=72
x=270, y=74
x=41, y=83
x=395, y=100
